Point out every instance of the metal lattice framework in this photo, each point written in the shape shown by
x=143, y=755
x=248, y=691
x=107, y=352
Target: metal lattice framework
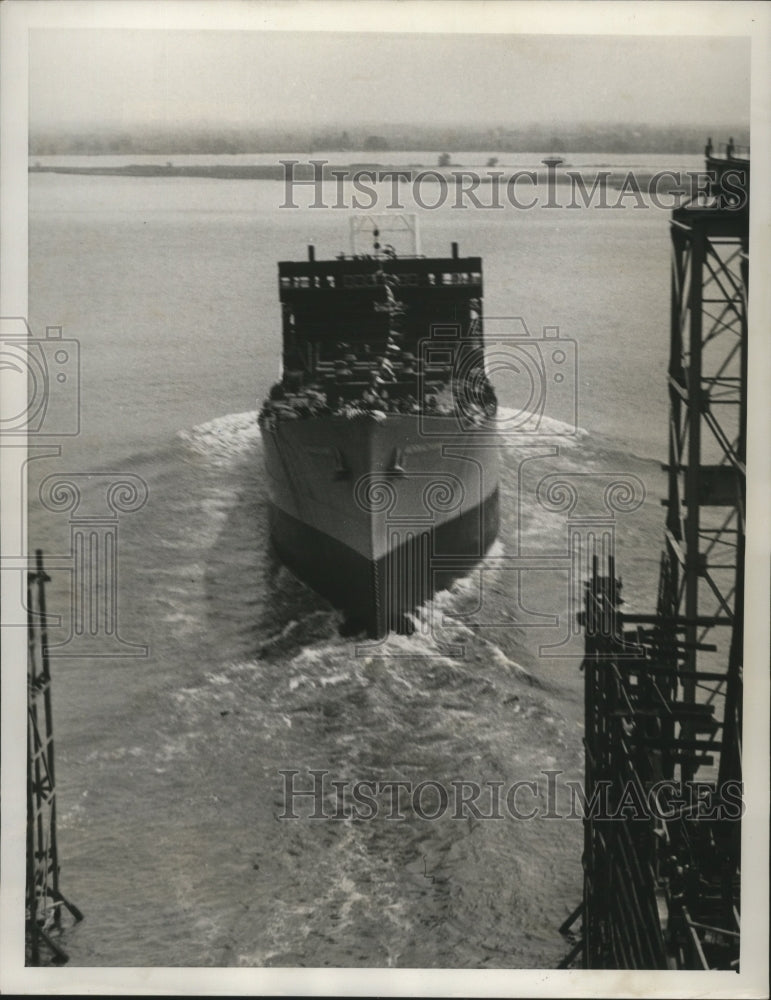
x=661, y=874
x=664, y=892
x=705, y=527
x=44, y=900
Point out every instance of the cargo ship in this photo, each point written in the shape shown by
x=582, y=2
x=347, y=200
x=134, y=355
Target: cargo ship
x=380, y=441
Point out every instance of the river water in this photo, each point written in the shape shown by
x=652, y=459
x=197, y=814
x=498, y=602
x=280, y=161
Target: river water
x=168, y=766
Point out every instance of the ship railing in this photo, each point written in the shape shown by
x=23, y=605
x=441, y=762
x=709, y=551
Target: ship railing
x=350, y=391
x=356, y=371
x=375, y=280
x=380, y=256
x=415, y=366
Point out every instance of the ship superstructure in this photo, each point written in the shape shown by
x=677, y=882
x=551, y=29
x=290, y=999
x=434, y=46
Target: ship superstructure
x=380, y=444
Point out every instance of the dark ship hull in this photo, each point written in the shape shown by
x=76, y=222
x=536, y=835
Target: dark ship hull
x=375, y=541
x=380, y=445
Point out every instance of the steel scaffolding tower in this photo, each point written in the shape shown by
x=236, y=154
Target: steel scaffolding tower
x=705, y=526
x=664, y=698
x=44, y=899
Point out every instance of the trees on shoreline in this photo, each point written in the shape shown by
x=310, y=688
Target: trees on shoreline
x=525, y=138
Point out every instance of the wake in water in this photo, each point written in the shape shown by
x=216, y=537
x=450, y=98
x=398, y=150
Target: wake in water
x=447, y=702
x=249, y=678
x=530, y=526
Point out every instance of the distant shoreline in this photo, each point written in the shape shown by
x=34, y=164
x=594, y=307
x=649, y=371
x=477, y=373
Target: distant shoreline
x=453, y=173
x=266, y=172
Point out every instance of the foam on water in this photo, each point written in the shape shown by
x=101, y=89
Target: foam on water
x=224, y=439
x=234, y=435
x=510, y=421
x=250, y=675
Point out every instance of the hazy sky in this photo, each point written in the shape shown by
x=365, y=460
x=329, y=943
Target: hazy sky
x=126, y=77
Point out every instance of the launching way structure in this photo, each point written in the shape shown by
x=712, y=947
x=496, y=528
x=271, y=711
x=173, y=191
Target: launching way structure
x=663, y=692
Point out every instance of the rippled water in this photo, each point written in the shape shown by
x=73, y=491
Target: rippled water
x=168, y=766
